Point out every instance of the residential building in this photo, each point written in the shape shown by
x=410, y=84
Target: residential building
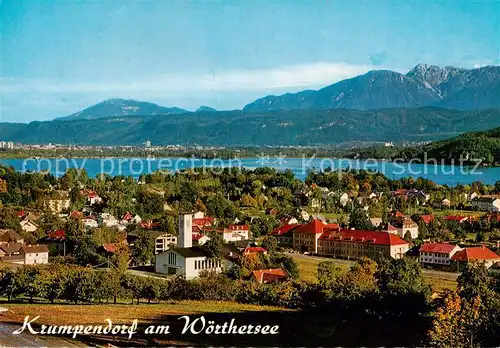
x=163, y=241
x=254, y=250
x=199, y=239
x=437, y=253
x=55, y=242
x=10, y=236
x=29, y=255
x=487, y=203
x=305, y=237
x=284, y=235
x=475, y=254
x=265, y=276
x=58, y=202
x=90, y=222
x=240, y=232
x=28, y=225
x=35, y=254
x=354, y=244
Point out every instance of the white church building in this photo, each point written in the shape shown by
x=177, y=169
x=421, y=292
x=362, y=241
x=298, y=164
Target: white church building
x=187, y=260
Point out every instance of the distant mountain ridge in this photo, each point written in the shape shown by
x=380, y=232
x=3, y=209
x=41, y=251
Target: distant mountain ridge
x=310, y=127
x=121, y=107
x=424, y=85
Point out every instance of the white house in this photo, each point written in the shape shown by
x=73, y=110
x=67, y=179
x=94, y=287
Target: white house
x=29, y=255
x=28, y=225
x=487, y=203
x=199, y=215
x=437, y=253
x=406, y=226
x=59, y=202
x=344, y=199
x=35, y=254
x=109, y=220
x=90, y=223
x=199, y=239
x=163, y=241
x=239, y=232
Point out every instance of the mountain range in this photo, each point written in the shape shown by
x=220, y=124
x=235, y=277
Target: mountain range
x=280, y=128
x=424, y=85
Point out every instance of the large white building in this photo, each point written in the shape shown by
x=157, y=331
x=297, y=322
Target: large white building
x=186, y=260
x=437, y=253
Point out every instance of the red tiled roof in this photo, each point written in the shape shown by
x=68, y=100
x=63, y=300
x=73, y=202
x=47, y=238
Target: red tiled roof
x=238, y=227
x=21, y=213
x=443, y=248
x=427, y=218
x=455, y=218
x=475, y=253
x=315, y=226
x=398, y=214
x=256, y=249
x=206, y=221
x=57, y=235
x=284, y=229
x=391, y=228
x=364, y=236
x=268, y=275
x=149, y=224
x=76, y=214
x=197, y=236
x=111, y=247
x=127, y=216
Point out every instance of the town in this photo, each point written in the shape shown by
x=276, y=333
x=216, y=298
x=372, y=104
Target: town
x=236, y=225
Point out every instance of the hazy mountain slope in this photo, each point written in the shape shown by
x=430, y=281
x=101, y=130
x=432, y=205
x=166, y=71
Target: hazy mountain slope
x=296, y=127
x=121, y=107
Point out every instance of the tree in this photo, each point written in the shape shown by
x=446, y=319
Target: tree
x=455, y=322
x=359, y=220
x=26, y=279
x=214, y=246
x=144, y=247
x=8, y=284
x=270, y=243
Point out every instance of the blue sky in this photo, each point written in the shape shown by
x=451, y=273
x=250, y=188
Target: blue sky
x=58, y=57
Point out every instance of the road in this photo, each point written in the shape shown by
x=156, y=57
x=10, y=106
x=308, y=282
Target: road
x=427, y=272
x=7, y=339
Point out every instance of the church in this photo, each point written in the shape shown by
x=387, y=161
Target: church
x=189, y=261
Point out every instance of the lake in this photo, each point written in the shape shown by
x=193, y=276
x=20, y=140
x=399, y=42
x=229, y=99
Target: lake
x=439, y=173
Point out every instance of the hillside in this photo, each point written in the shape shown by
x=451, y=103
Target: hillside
x=424, y=85
x=235, y=128
x=121, y=107
x=484, y=146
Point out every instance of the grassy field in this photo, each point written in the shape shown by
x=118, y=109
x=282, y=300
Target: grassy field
x=443, y=213
x=91, y=314
x=308, y=267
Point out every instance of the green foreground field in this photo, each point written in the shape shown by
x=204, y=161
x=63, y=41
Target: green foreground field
x=308, y=266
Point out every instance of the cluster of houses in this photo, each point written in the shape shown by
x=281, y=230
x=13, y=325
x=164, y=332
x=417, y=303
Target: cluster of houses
x=446, y=255
x=14, y=251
